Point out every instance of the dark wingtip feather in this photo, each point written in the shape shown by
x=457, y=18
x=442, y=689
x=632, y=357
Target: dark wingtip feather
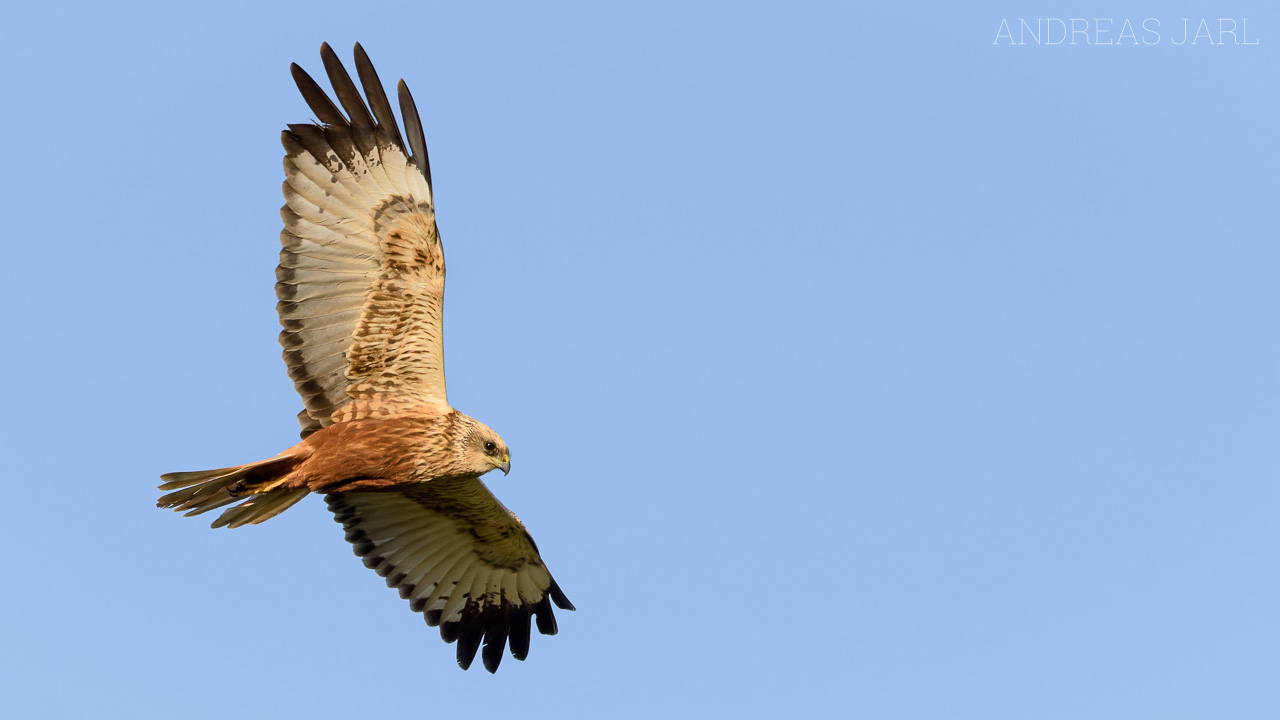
x=519, y=632
x=346, y=90
x=378, y=102
x=413, y=128
x=558, y=596
x=449, y=631
x=545, y=617
x=319, y=102
x=495, y=637
x=471, y=632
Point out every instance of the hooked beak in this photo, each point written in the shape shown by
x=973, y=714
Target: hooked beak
x=505, y=465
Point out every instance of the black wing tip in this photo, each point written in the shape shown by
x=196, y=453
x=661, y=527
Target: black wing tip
x=449, y=630
x=492, y=629
x=518, y=634
x=558, y=596
x=470, y=633
x=348, y=96
x=545, y=617
x=378, y=102
x=300, y=76
x=316, y=98
x=497, y=625
x=369, y=114
x=413, y=129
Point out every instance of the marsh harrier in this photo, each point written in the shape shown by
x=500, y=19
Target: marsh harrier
x=361, y=289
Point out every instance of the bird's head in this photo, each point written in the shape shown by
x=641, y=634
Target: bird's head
x=483, y=449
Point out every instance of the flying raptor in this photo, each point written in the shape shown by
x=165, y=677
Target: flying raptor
x=361, y=289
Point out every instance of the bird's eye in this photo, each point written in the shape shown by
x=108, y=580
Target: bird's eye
x=489, y=446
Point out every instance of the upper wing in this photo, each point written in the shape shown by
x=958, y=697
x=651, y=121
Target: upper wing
x=361, y=275
x=459, y=557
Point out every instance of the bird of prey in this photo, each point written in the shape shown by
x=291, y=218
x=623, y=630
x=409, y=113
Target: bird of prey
x=361, y=289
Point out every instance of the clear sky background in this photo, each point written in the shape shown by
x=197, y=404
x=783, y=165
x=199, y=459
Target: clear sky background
x=852, y=365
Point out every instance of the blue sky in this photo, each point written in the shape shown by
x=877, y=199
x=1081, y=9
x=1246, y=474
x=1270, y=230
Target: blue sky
x=852, y=362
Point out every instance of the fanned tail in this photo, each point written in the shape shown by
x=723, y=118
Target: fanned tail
x=262, y=486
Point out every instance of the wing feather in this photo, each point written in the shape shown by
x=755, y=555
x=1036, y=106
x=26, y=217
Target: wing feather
x=377, y=97
x=444, y=581
x=361, y=274
x=460, y=558
x=300, y=314
x=317, y=100
x=317, y=151
x=316, y=205
x=346, y=91
x=327, y=335
x=413, y=128
x=342, y=239
x=326, y=320
x=457, y=593
x=363, y=128
x=317, y=255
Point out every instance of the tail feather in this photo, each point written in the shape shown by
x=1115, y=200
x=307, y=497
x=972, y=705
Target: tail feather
x=261, y=507
x=261, y=485
x=176, y=480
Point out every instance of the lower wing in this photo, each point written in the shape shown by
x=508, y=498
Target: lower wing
x=460, y=558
